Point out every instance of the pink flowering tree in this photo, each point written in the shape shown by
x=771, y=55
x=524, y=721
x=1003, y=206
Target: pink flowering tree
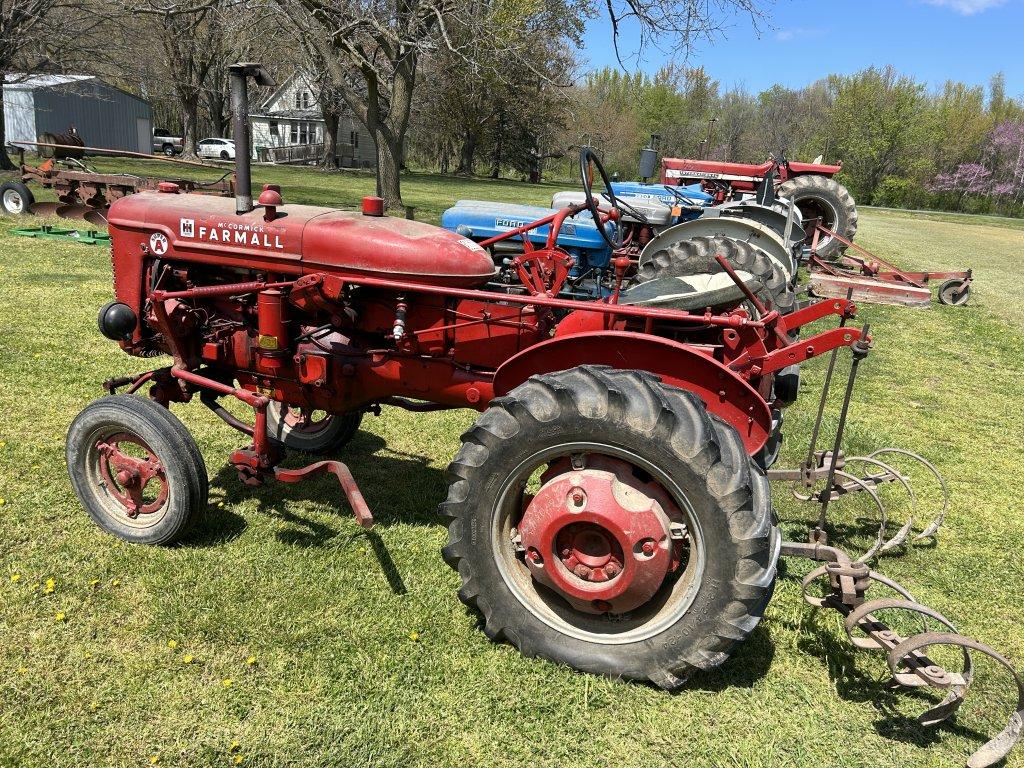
x=999, y=175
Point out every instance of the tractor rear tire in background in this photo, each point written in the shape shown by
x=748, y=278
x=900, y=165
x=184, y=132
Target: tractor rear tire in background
x=16, y=198
x=323, y=435
x=825, y=200
x=552, y=484
x=697, y=256
x=136, y=469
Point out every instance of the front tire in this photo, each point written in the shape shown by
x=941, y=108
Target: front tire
x=823, y=199
x=136, y=469
x=16, y=198
x=313, y=432
x=658, y=449
x=169, y=150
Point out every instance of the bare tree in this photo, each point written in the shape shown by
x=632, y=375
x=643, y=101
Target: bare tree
x=372, y=48
x=41, y=36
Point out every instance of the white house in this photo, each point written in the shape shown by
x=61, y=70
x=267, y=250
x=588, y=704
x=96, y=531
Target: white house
x=289, y=127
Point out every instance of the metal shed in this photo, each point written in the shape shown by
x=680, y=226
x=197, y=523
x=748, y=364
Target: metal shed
x=104, y=116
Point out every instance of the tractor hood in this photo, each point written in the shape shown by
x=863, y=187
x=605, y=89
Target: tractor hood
x=296, y=239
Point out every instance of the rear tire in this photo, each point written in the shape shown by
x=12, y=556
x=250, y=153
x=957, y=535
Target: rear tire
x=121, y=434
x=697, y=256
x=824, y=198
x=693, y=621
x=168, y=150
x=15, y=198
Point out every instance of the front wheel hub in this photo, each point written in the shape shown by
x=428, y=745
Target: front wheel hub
x=601, y=543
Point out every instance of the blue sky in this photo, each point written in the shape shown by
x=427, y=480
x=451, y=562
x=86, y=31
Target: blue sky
x=803, y=40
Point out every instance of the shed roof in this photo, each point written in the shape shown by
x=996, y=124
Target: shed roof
x=26, y=82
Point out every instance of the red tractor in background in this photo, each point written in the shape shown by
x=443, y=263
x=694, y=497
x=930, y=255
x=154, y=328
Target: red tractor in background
x=822, y=200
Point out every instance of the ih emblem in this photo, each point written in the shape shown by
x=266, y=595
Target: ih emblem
x=158, y=243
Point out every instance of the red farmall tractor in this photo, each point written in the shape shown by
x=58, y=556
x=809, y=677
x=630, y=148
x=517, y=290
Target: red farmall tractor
x=823, y=201
x=608, y=509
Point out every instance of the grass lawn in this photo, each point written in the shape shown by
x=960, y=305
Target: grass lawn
x=281, y=634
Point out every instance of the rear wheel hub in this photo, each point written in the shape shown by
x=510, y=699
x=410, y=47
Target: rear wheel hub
x=599, y=540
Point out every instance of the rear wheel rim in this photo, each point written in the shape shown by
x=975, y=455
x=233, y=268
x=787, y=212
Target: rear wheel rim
x=816, y=211
x=13, y=201
x=126, y=478
x=303, y=420
x=672, y=598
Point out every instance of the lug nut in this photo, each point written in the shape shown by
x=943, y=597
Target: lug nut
x=534, y=556
x=648, y=547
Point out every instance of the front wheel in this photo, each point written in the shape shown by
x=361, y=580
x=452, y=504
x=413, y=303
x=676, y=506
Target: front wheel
x=311, y=431
x=602, y=519
x=169, y=150
x=136, y=469
x=16, y=198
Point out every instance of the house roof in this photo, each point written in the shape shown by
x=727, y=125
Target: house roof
x=26, y=82
x=291, y=114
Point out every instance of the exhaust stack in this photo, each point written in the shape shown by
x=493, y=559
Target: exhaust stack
x=238, y=79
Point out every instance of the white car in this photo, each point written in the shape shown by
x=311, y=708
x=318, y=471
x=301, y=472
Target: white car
x=222, y=149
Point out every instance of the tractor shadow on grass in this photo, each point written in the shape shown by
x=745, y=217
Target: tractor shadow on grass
x=400, y=488
x=862, y=677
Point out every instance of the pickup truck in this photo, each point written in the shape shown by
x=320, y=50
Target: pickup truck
x=165, y=144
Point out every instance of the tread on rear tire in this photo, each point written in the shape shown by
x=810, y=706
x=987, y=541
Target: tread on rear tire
x=815, y=194
x=669, y=428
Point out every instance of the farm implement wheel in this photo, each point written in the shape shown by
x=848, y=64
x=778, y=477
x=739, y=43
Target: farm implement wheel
x=16, y=198
x=630, y=525
x=955, y=292
x=311, y=431
x=824, y=201
x=136, y=469
x=696, y=255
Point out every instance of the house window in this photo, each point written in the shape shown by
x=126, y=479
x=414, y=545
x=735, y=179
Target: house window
x=305, y=99
x=353, y=139
x=274, y=130
x=303, y=133
x=293, y=133
x=302, y=100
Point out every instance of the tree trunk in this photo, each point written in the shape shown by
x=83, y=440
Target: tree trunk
x=389, y=157
x=467, y=154
x=331, y=122
x=5, y=162
x=190, y=131
x=216, y=103
x=498, y=148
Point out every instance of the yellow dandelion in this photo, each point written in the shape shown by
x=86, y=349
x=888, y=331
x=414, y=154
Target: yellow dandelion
x=61, y=616
x=235, y=744
x=414, y=636
x=154, y=759
x=250, y=661
x=227, y=682
x=2, y=501
x=188, y=658
x=22, y=670
x=87, y=655
x=237, y=760
x=15, y=577
x=115, y=583
x=93, y=582
x=94, y=705
x=3, y=443
x=172, y=644
x=50, y=586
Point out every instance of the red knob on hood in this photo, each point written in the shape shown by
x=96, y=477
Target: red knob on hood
x=373, y=206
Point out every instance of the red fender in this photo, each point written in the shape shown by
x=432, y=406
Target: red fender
x=724, y=393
